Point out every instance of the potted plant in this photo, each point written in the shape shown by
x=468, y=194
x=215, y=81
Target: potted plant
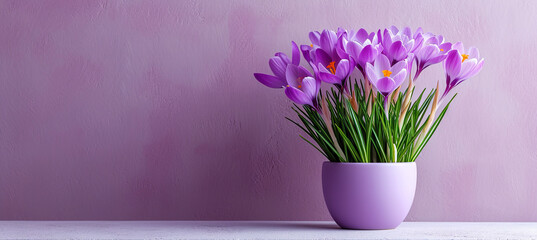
x=371, y=129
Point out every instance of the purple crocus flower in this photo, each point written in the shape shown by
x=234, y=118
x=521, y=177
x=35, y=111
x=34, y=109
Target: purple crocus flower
x=384, y=77
x=325, y=41
x=398, y=44
x=333, y=70
x=461, y=65
x=362, y=47
x=324, y=60
x=278, y=64
x=302, y=88
x=433, y=51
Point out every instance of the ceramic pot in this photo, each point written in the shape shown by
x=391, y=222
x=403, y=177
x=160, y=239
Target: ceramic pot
x=369, y=195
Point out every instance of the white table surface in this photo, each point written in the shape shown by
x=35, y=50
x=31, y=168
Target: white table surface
x=257, y=230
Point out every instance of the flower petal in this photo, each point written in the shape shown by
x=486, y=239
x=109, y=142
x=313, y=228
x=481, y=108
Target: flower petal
x=399, y=78
x=406, y=31
x=458, y=46
x=427, y=52
x=440, y=38
x=452, y=65
x=328, y=41
x=341, y=31
x=278, y=67
x=397, y=51
x=445, y=46
x=354, y=49
x=398, y=67
x=371, y=74
x=394, y=30
x=379, y=37
x=340, y=48
x=366, y=55
x=430, y=40
x=309, y=87
x=314, y=38
x=329, y=78
x=342, y=69
x=478, y=67
x=418, y=42
x=419, y=30
x=292, y=75
x=435, y=60
x=269, y=81
x=303, y=72
x=471, y=68
x=322, y=57
x=296, y=54
x=373, y=38
x=283, y=57
x=466, y=67
x=473, y=52
x=385, y=85
x=387, y=40
x=298, y=96
x=409, y=45
x=362, y=35
x=381, y=63
x=306, y=49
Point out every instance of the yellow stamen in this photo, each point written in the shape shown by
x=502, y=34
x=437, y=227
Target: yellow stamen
x=299, y=86
x=386, y=73
x=287, y=85
x=441, y=49
x=311, y=45
x=464, y=57
x=332, y=67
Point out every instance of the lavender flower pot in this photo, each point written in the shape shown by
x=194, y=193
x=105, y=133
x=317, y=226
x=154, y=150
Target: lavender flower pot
x=369, y=195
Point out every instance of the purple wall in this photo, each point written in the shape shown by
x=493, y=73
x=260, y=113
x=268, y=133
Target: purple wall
x=149, y=110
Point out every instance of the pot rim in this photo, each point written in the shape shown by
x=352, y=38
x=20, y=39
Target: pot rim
x=372, y=163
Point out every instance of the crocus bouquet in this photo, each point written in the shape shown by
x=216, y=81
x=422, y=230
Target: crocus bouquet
x=370, y=118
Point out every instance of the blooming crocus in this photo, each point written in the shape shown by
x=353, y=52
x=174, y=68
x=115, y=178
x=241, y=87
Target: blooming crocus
x=433, y=51
x=332, y=70
x=384, y=77
x=362, y=47
x=321, y=42
x=278, y=64
x=324, y=60
x=461, y=65
x=302, y=88
x=398, y=44
x=327, y=64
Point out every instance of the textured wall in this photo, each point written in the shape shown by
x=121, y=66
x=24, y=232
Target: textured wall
x=149, y=110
